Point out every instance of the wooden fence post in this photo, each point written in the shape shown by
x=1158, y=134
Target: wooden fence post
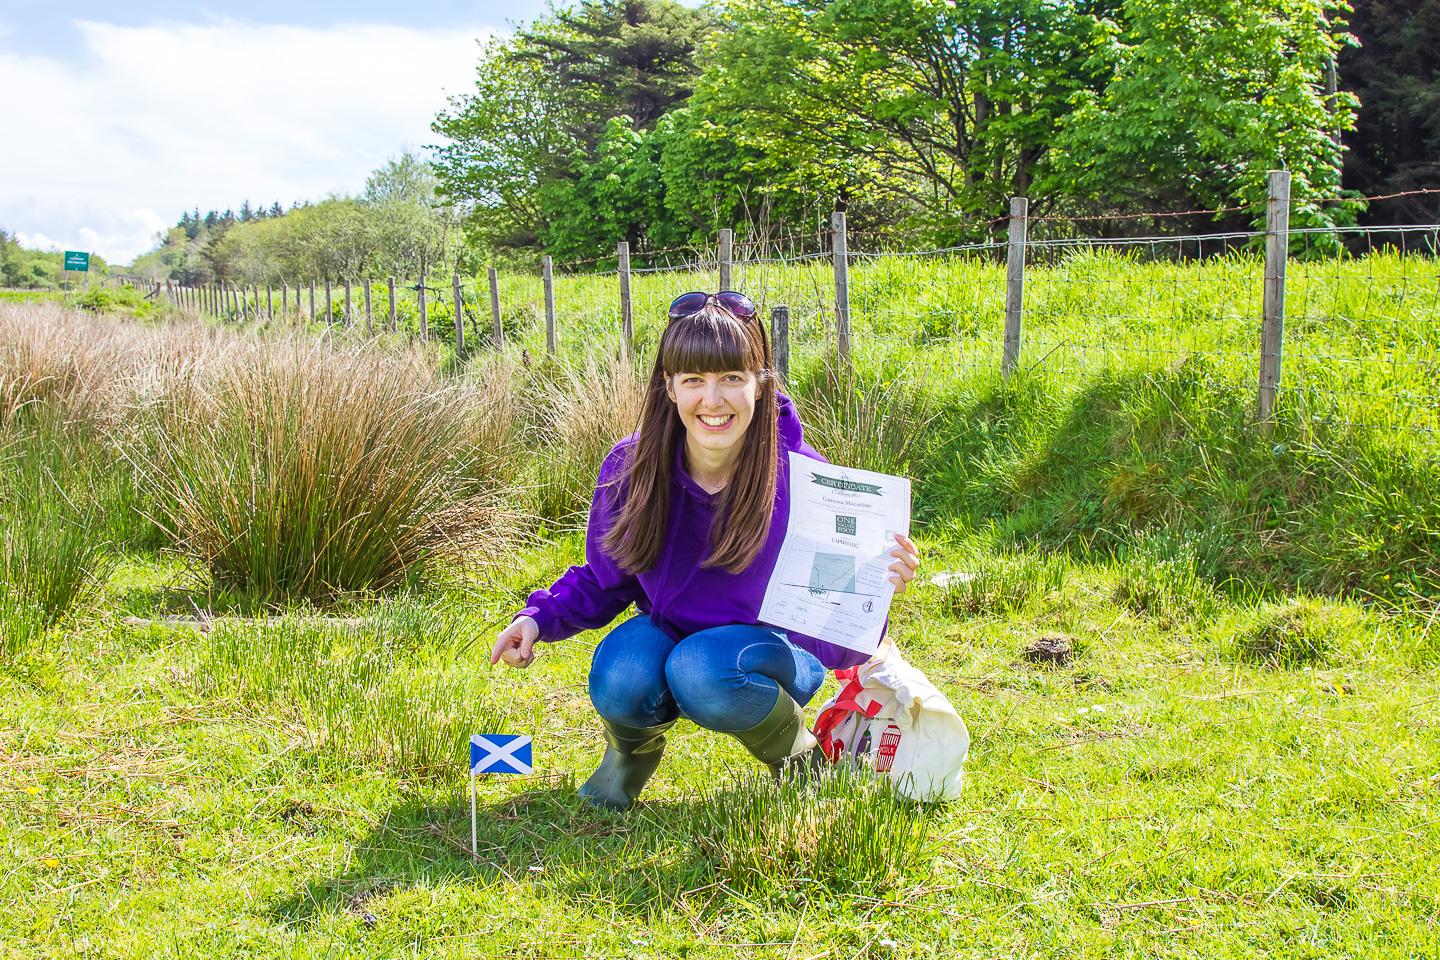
x=780, y=341
x=369, y=317
x=1272, y=331
x=420, y=299
x=627, y=326
x=727, y=258
x=269, y=302
x=390, y=286
x=329, y=303
x=459, y=314
x=498, y=332
x=842, y=283
x=349, y=313
x=1015, y=283
x=547, y=275
x=312, y=299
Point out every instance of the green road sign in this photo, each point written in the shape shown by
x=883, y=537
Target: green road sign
x=75, y=260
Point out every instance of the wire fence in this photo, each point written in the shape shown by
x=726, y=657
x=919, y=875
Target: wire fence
x=1342, y=323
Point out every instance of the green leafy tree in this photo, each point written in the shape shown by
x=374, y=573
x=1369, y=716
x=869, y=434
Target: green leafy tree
x=618, y=195
x=521, y=144
x=715, y=174
x=949, y=106
x=1207, y=96
x=505, y=139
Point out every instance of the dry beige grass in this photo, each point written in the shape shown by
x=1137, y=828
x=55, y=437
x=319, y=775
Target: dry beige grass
x=286, y=465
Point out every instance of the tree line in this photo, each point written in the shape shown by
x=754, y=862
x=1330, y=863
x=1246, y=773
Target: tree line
x=648, y=121
x=28, y=269
x=397, y=226
x=658, y=123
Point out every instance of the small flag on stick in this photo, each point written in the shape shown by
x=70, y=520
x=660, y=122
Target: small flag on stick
x=496, y=753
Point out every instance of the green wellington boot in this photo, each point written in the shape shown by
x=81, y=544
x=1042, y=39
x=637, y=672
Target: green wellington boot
x=631, y=756
x=782, y=741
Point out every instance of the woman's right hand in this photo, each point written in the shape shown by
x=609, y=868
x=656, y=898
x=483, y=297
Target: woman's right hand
x=516, y=643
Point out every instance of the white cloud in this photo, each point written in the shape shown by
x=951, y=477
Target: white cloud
x=35, y=241
x=106, y=151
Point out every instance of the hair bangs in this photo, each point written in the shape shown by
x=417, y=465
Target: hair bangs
x=711, y=341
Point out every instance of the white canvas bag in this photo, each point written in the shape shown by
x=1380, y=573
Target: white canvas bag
x=890, y=718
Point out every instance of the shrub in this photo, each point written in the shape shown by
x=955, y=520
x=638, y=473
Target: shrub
x=584, y=410
x=310, y=470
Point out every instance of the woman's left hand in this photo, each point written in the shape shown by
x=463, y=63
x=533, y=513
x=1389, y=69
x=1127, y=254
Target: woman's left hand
x=902, y=571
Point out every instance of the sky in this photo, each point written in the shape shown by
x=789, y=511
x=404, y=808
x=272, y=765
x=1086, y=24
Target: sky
x=116, y=118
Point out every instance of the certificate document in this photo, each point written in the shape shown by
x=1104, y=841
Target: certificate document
x=831, y=580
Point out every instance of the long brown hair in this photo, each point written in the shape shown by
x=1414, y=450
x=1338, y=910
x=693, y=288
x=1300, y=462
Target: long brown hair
x=711, y=341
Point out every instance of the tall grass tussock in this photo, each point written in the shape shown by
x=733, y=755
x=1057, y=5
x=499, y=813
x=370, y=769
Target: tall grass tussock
x=307, y=470
x=52, y=547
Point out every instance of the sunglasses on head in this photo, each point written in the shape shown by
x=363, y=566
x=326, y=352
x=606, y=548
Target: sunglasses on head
x=689, y=304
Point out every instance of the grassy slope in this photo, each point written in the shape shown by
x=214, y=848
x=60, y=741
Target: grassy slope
x=1162, y=795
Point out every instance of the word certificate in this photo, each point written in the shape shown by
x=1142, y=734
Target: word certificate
x=831, y=580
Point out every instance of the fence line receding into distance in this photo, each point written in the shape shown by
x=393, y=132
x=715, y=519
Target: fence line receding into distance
x=1357, y=335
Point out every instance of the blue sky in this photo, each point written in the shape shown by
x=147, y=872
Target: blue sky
x=131, y=113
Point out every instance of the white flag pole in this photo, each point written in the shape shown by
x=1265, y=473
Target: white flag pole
x=474, y=844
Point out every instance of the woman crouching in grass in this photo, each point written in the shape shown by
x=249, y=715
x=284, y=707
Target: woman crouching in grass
x=686, y=523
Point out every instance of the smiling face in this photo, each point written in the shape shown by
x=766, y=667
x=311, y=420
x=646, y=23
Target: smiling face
x=716, y=408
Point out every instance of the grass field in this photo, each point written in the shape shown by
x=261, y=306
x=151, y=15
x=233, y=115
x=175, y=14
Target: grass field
x=211, y=748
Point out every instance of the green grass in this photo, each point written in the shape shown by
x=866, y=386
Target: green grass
x=295, y=787
x=52, y=527
x=30, y=296
x=1239, y=761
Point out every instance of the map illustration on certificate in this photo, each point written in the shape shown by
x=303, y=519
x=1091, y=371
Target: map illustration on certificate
x=831, y=579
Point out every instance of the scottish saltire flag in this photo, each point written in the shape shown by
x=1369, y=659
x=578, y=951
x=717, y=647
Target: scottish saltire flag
x=500, y=753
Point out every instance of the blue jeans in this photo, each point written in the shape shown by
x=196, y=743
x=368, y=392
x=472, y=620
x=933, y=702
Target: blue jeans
x=723, y=678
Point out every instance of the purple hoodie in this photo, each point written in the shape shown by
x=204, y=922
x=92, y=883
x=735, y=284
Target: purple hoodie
x=680, y=597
